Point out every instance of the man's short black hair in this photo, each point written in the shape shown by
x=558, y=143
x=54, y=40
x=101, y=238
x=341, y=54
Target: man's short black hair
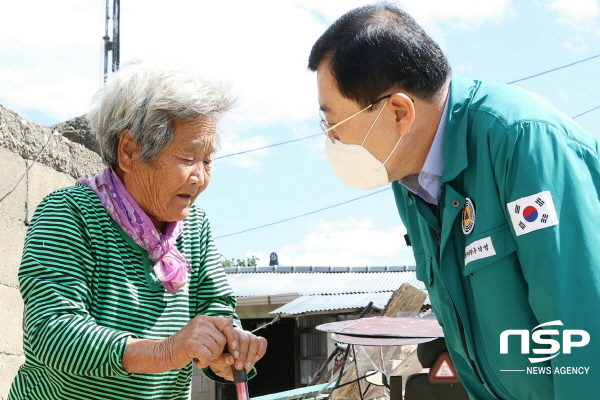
x=377, y=48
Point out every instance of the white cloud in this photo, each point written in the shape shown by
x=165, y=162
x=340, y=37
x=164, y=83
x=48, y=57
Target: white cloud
x=468, y=67
x=435, y=16
x=11, y=76
x=232, y=143
x=349, y=242
x=463, y=14
x=260, y=47
x=51, y=25
x=576, y=44
x=314, y=144
x=582, y=15
x=50, y=56
x=330, y=10
x=49, y=97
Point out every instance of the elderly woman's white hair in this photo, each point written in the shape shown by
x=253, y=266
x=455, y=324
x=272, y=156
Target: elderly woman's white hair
x=146, y=99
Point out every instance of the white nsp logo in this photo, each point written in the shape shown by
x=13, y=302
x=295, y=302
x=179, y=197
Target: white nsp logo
x=537, y=337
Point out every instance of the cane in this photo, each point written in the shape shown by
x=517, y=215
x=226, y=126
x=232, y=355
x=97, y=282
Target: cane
x=240, y=379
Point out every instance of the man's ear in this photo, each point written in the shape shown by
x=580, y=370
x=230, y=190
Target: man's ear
x=405, y=111
x=127, y=151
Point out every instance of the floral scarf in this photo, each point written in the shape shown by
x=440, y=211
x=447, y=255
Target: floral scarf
x=171, y=267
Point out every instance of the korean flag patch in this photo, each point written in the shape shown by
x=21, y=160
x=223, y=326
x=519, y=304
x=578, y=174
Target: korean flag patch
x=532, y=213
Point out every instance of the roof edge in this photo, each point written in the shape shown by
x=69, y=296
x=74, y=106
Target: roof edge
x=329, y=269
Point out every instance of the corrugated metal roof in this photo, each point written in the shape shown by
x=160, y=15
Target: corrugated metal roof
x=249, y=284
x=316, y=303
x=279, y=268
x=322, y=291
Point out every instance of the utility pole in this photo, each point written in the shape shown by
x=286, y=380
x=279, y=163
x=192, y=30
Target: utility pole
x=111, y=44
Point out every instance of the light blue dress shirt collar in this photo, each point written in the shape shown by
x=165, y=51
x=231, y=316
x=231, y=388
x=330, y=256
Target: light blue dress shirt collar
x=426, y=184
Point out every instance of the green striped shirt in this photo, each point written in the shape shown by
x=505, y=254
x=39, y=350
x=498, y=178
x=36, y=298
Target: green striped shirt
x=88, y=287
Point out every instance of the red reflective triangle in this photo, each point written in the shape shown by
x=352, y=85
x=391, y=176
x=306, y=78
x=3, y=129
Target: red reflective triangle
x=443, y=370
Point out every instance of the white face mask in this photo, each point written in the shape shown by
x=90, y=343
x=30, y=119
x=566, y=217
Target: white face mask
x=355, y=165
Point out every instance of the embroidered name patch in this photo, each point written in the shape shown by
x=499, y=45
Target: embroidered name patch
x=532, y=213
x=481, y=248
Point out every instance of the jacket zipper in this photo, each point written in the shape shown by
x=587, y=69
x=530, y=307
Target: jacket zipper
x=461, y=326
x=439, y=226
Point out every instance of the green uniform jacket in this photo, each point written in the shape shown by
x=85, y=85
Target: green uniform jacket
x=503, y=144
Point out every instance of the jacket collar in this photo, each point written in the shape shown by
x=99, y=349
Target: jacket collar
x=455, y=137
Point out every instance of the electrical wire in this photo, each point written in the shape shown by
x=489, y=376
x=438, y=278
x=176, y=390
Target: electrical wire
x=303, y=215
x=18, y=179
x=554, y=69
x=508, y=83
x=370, y=194
x=339, y=204
x=266, y=147
x=585, y=112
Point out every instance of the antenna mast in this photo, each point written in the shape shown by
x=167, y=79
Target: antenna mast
x=112, y=44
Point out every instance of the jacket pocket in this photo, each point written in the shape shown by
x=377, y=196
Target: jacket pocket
x=423, y=269
x=487, y=248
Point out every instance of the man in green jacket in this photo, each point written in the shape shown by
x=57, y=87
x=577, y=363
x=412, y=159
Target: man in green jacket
x=499, y=193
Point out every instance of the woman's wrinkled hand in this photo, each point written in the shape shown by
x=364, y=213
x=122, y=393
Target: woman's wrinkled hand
x=222, y=366
x=251, y=348
x=203, y=339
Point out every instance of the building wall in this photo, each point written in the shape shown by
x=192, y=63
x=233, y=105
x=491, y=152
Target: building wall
x=60, y=164
x=202, y=387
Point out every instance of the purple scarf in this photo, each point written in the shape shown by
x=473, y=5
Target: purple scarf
x=171, y=267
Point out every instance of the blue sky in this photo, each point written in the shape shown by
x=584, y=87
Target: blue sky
x=51, y=66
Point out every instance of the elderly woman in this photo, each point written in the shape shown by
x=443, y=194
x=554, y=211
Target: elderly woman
x=121, y=280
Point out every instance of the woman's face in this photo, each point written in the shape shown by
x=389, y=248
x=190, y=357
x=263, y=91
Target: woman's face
x=167, y=187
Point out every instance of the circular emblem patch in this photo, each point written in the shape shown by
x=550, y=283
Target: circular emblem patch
x=468, y=217
x=530, y=214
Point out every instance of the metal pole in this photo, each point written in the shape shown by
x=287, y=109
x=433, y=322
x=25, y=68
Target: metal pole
x=357, y=372
x=116, y=42
x=106, y=41
x=335, y=351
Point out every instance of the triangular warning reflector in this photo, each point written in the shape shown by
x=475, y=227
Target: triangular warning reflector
x=443, y=370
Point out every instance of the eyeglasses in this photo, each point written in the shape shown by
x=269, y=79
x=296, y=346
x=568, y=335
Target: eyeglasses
x=328, y=126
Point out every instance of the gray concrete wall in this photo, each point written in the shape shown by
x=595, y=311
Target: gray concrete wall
x=59, y=165
x=202, y=387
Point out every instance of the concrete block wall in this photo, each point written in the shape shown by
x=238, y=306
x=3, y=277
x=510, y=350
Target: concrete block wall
x=59, y=165
x=202, y=387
